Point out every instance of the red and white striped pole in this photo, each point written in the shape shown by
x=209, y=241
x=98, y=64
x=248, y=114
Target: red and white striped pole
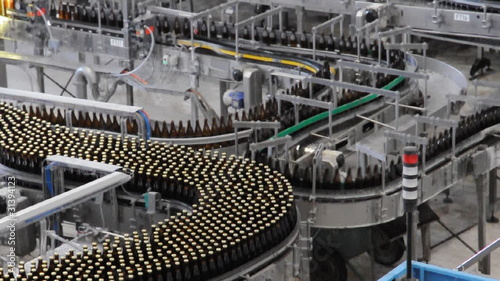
x=410, y=197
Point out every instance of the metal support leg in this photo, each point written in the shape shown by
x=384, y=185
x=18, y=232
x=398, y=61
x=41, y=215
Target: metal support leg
x=285, y=21
x=43, y=237
x=299, y=11
x=194, y=110
x=447, y=199
x=480, y=52
x=492, y=197
x=129, y=94
x=481, y=181
x=39, y=70
x=3, y=68
x=425, y=232
x=371, y=251
x=223, y=87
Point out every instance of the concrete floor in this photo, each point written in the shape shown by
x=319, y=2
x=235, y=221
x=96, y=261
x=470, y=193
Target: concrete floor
x=459, y=217
x=448, y=251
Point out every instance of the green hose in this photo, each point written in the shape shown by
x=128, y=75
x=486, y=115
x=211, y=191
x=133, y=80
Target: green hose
x=338, y=110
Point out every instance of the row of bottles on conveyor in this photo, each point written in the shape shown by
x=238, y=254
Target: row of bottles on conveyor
x=82, y=119
x=344, y=179
x=160, y=129
x=213, y=128
x=270, y=36
x=83, y=14
x=439, y=143
x=347, y=180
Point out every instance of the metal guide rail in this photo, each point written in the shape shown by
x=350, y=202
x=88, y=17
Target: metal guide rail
x=443, y=170
x=70, y=198
x=454, y=17
x=379, y=206
x=72, y=104
x=79, y=37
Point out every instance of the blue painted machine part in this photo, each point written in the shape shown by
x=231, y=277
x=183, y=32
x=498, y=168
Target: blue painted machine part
x=427, y=272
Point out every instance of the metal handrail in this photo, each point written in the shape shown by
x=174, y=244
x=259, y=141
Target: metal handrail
x=479, y=255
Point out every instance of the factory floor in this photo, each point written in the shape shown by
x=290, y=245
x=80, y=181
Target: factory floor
x=452, y=237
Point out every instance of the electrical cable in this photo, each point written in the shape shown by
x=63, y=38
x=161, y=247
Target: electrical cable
x=147, y=122
x=48, y=179
x=50, y=187
x=145, y=60
x=45, y=20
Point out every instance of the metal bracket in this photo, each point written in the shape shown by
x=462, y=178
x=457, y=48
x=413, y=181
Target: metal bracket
x=486, y=21
x=437, y=18
x=370, y=152
x=345, y=2
x=406, y=138
x=484, y=160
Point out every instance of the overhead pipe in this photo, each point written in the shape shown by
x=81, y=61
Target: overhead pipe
x=86, y=75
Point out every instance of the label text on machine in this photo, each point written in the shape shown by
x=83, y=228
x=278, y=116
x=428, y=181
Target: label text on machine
x=461, y=17
x=117, y=42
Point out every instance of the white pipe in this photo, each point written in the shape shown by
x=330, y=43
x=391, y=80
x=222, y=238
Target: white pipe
x=84, y=75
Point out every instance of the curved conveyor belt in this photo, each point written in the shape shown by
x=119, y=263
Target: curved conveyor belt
x=241, y=209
